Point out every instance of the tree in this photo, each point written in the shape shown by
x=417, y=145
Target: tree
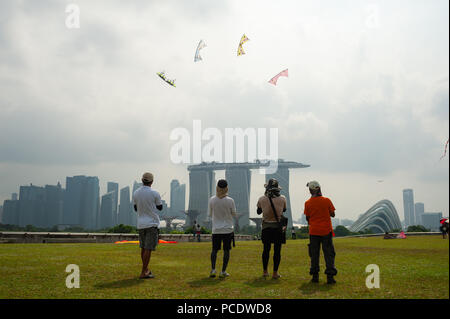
x=341, y=231
x=417, y=228
x=123, y=229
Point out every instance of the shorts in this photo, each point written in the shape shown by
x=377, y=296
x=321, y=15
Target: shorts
x=273, y=236
x=217, y=240
x=148, y=238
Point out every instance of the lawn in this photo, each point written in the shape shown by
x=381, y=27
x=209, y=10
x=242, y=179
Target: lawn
x=417, y=267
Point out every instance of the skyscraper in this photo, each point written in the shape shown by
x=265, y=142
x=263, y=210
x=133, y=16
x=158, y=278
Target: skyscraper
x=107, y=211
x=177, y=198
x=431, y=221
x=408, y=207
x=53, y=206
x=419, y=210
x=202, y=187
x=125, y=207
x=31, y=206
x=239, y=182
x=81, y=201
x=11, y=212
x=114, y=188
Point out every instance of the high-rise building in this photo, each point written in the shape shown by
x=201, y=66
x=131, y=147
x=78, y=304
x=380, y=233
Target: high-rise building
x=14, y=196
x=114, y=188
x=31, y=206
x=11, y=212
x=431, y=221
x=53, y=206
x=419, y=210
x=239, y=183
x=1, y=214
x=408, y=207
x=81, y=201
x=177, y=199
x=335, y=222
x=106, y=218
x=125, y=207
x=202, y=187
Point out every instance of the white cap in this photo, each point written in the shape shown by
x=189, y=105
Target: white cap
x=313, y=185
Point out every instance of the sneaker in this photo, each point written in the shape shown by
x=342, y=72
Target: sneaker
x=330, y=280
x=223, y=274
x=315, y=278
x=212, y=274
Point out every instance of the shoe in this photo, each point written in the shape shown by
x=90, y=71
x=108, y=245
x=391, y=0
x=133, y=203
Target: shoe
x=315, y=278
x=276, y=276
x=147, y=276
x=212, y=274
x=266, y=274
x=223, y=274
x=330, y=280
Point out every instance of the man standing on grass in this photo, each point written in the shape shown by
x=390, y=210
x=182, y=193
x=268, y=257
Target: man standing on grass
x=222, y=210
x=318, y=211
x=146, y=202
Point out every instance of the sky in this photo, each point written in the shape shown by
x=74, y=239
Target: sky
x=366, y=100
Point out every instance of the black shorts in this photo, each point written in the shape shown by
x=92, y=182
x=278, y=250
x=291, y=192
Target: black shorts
x=217, y=240
x=272, y=236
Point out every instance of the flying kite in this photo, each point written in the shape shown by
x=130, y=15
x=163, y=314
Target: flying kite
x=200, y=46
x=445, y=150
x=275, y=78
x=163, y=76
x=240, y=49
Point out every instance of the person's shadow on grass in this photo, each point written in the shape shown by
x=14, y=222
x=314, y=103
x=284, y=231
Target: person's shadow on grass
x=205, y=282
x=262, y=282
x=309, y=288
x=123, y=283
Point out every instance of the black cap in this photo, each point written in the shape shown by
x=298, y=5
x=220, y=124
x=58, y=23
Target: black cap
x=222, y=183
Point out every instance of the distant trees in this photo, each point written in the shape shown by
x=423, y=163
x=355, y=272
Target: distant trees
x=417, y=228
x=123, y=229
x=341, y=231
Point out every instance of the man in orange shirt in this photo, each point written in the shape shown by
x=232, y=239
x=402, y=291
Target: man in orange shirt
x=318, y=211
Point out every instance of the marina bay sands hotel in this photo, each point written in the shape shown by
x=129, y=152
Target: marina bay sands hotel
x=202, y=185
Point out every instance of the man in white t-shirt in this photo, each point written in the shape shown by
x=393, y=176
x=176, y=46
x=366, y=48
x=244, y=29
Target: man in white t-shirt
x=146, y=203
x=222, y=210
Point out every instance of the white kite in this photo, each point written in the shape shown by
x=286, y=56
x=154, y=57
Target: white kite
x=200, y=46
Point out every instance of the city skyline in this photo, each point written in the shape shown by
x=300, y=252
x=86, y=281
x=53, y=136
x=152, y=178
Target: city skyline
x=106, y=204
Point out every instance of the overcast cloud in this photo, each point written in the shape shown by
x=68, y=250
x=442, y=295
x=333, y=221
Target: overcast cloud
x=367, y=96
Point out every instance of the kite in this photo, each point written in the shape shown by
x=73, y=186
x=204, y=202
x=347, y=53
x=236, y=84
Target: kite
x=445, y=150
x=137, y=242
x=200, y=46
x=275, y=78
x=163, y=76
x=240, y=49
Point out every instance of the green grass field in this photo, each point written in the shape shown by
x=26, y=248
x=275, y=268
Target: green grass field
x=417, y=267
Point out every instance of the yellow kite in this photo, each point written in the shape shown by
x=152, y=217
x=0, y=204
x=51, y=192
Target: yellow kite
x=240, y=49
